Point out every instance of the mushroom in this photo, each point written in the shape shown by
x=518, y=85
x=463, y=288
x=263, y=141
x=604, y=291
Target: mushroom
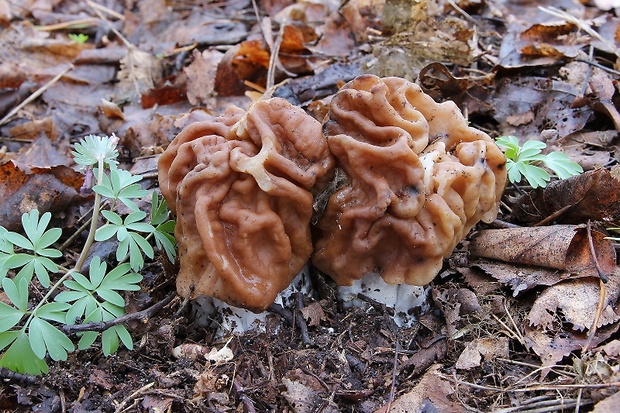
x=414, y=179
x=242, y=186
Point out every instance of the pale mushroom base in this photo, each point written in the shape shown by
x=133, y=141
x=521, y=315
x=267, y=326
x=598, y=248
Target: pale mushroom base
x=227, y=319
x=408, y=301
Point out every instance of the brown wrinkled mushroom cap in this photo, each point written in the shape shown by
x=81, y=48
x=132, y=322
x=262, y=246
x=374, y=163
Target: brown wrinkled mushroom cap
x=416, y=179
x=240, y=185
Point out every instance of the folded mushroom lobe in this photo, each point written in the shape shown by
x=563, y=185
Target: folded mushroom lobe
x=245, y=203
x=417, y=178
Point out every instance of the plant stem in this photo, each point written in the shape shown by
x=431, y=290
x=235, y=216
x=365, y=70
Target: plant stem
x=93, y=222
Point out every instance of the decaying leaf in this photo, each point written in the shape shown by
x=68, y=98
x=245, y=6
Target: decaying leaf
x=46, y=189
x=553, y=346
x=313, y=314
x=487, y=348
x=139, y=72
x=431, y=394
x=608, y=405
x=564, y=247
x=525, y=106
x=519, y=278
x=593, y=195
x=575, y=302
x=304, y=392
x=201, y=77
x=195, y=351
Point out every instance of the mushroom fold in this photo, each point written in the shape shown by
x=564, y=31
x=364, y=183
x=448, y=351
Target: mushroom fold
x=415, y=178
x=242, y=187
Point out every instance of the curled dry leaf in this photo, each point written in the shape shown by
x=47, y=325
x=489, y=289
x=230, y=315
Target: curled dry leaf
x=46, y=189
x=198, y=351
x=593, y=195
x=564, y=247
x=577, y=302
x=487, y=348
x=139, y=72
x=519, y=278
x=553, y=346
x=432, y=393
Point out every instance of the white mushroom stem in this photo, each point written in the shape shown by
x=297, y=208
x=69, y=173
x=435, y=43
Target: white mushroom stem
x=406, y=300
x=211, y=312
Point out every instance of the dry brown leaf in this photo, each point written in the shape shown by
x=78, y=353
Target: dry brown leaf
x=313, y=314
x=487, y=348
x=553, y=346
x=139, y=72
x=593, y=195
x=31, y=130
x=551, y=101
x=608, y=405
x=575, y=302
x=564, y=247
x=431, y=394
x=154, y=403
x=612, y=349
x=201, y=75
x=46, y=189
x=304, y=392
x=518, y=277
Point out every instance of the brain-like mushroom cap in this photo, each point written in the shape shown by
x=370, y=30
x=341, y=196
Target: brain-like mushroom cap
x=416, y=179
x=240, y=185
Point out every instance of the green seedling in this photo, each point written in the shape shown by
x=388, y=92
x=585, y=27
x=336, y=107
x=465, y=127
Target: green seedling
x=31, y=330
x=522, y=162
x=79, y=38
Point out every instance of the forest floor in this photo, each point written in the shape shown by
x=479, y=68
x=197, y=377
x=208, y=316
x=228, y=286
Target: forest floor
x=503, y=336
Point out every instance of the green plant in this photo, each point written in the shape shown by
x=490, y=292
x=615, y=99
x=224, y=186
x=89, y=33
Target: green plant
x=31, y=326
x=79, y=38
x=522, y=160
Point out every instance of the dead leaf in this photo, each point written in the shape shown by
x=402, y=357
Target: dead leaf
x=575, y=302
x=612, y=349
x=304, y=392
x=431, y=394
x=519, y=278
x=608, y=405
x=139, y=72
x=201, y=74
x=553, y=346
x=593, y=195
x=487, y=348
x=46, y=189
x=313, y=314
x=564, y=247
x=550, y=100
x=157, y=404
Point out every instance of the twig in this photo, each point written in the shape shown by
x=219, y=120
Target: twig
x=11, y=375
x=392, y=395
x=300, y=322
x=597, y=317
x=282, y=312
x=121, y=405
x=599, y=270
x=104, y=325
x=35, y=95
x=247, y=402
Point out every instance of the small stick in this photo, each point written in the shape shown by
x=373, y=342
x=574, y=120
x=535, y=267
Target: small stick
x=599, y=270
x=300, y=322
x=35, y=95
x=104, y=325
x=597, y=317
x=247, y=402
